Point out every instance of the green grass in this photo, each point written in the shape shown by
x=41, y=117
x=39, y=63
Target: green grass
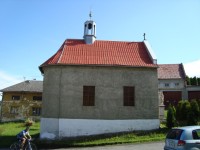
x=8, y=133
x=133, y=137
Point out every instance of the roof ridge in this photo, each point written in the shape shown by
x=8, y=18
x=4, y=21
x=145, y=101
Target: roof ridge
x=170, y=64
x=74, y=39
x=108, y=41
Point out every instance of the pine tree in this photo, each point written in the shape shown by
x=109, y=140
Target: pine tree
x=193, y=80
x=198, y=81
x=188, y=80
x=193, y=115
x=178, y=111
x=170, y=117
x=185, y=109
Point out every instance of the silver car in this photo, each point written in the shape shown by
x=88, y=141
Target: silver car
x=183, y=138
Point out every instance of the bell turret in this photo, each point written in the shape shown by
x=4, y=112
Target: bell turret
x=89, y=31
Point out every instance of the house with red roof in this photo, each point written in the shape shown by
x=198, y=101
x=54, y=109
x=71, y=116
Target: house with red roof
x=172, y=83
x=96, y=86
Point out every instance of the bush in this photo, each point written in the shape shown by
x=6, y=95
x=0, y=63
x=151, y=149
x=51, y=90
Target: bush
x=191, y=120
x=187, y=113
x=170, y=117
x=184, y=112
x=198, y=102
x=193, y=115
x=178, y=111
x=195, y=108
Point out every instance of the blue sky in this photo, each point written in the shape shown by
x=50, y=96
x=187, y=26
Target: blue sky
x=31, y=31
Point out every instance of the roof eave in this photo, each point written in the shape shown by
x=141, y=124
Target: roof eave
x=97, y=65
x=20, y=91
x=170, y=79
x=150, y=52
x=41, y=69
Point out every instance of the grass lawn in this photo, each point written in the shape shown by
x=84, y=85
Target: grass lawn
x=8, y=133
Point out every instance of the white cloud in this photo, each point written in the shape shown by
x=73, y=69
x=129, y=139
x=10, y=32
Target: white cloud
x=192, y=68
x=7, y=80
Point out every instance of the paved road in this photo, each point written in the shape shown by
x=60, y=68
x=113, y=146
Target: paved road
x=143, y=146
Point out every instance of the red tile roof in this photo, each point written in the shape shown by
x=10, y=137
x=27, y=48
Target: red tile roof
x=171, y=71
x=106, y=53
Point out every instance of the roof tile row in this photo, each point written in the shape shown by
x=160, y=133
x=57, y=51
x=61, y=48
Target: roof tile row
x=171, y=71
x=76, y=52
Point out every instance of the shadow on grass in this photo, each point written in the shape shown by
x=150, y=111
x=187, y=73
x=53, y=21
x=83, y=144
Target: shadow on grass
x=158, y=131
x=6, y=141
x=82, y=140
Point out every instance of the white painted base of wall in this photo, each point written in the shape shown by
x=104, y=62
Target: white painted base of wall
x=58, y=128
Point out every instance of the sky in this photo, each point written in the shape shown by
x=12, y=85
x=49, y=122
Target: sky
x=31, y=31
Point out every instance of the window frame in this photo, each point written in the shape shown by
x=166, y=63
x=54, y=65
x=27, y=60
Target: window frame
x=174, y=134
x=176, y=84
x=36, y=111
x=16, y=97
x=14, y=110
x=166, y=85
x=128, y=95
x=37, y=98
x=196, y=134
x=88, y=95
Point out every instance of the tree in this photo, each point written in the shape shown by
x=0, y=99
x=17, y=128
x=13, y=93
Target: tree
x=188, y=80
x=178, y=111
x=193, y=80
x=198, y=81
x=193, y=114
x=185, y=109
x=170, y=117
x=198, y=102
x=182, y=112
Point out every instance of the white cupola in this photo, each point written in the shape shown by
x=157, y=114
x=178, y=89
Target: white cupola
x=89, y=31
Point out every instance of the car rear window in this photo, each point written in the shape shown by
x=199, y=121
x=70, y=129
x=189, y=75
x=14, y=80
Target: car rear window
x=196, y=134
x=174, y=134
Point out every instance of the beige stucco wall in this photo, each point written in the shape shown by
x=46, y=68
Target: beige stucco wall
x=63, y=92
x=24, y=106
x=171, y=83
x=172, y=86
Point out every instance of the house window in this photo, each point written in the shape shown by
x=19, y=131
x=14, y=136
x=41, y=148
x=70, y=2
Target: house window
x=88, y=95
x=37, y=98
x=129, y=96
x=177, y=84
x=166, y=84
x=14, y=110
x=36, y=111
x=14, y=97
